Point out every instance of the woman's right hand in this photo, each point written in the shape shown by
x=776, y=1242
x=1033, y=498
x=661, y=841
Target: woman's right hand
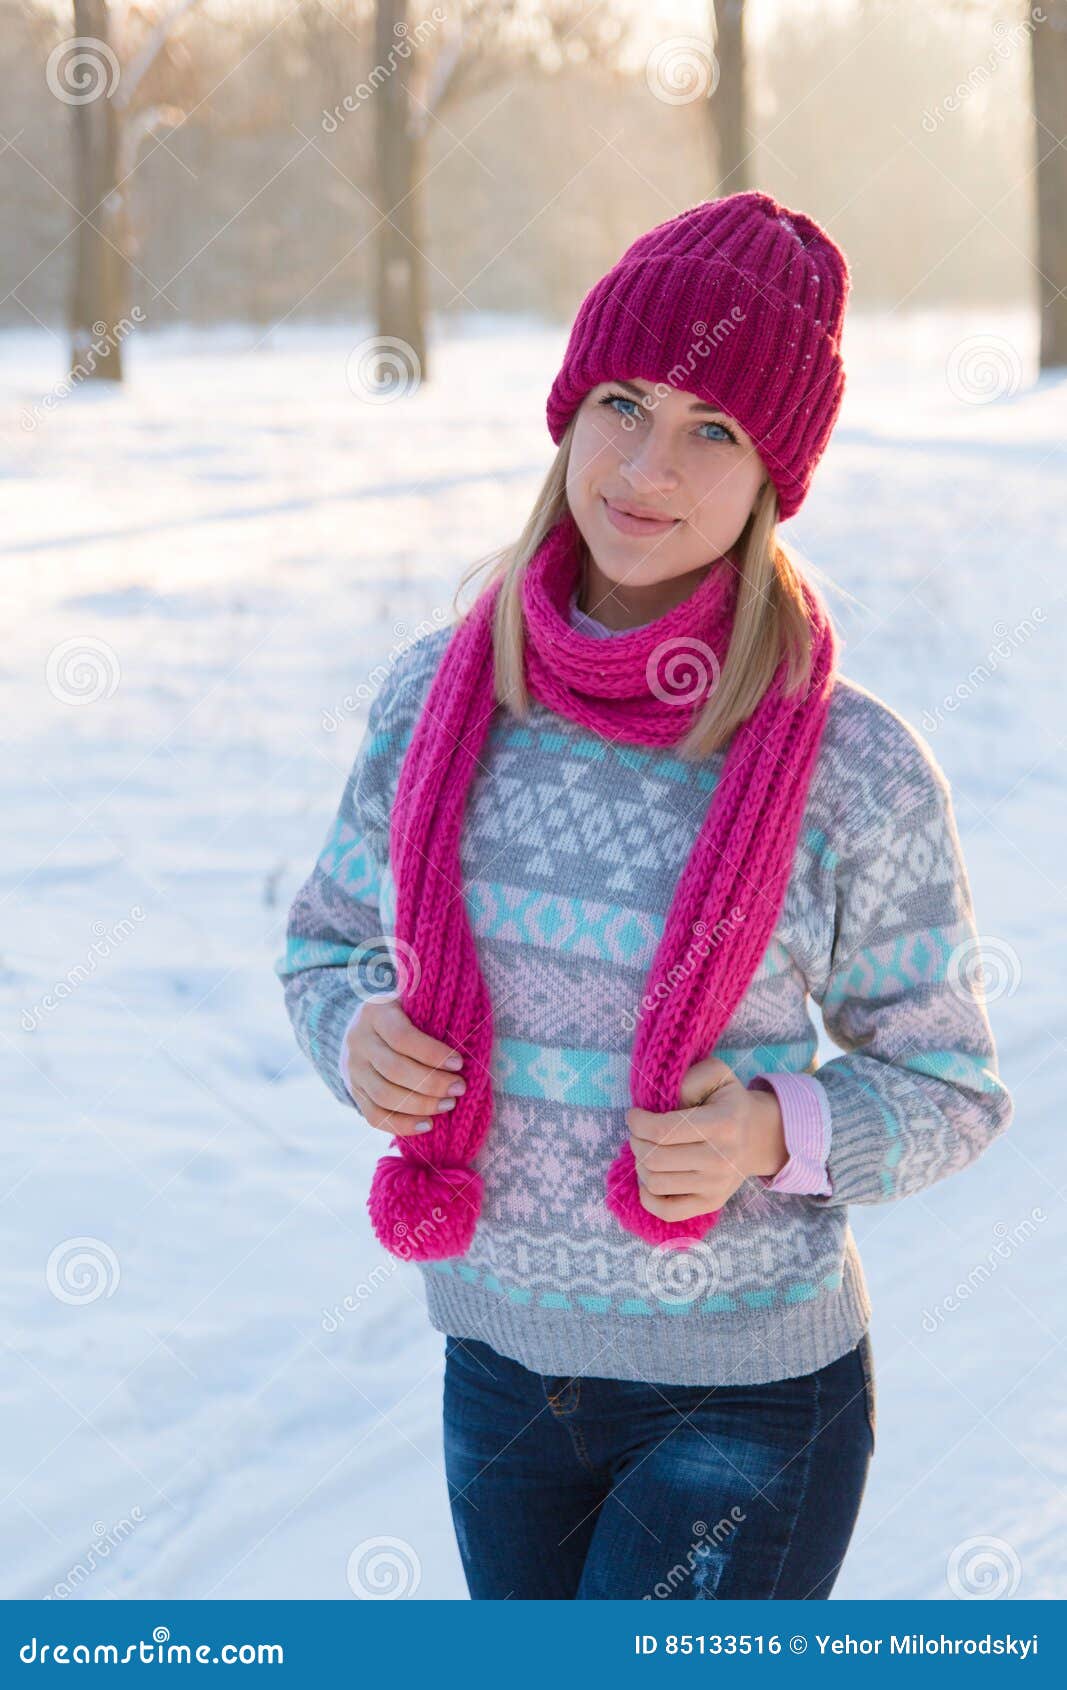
x=397, y=1075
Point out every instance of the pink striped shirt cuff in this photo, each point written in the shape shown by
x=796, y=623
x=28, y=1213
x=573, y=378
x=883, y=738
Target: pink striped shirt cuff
x=342, y=1065
x=806, y=1122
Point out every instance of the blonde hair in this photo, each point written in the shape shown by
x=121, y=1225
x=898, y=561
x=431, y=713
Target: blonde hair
x=771, y=616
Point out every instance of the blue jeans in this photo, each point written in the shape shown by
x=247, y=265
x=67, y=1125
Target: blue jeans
x=591, y=1488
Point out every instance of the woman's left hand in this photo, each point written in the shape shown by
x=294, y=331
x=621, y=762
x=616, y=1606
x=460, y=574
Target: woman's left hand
x=690, y=1160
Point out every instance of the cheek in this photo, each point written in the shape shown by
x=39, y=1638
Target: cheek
x=729, y=483
x=595, y=443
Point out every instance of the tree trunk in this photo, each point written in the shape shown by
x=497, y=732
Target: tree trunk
x=1048, y=63
x=101, y=281
x=727, y=106
x=399, y=264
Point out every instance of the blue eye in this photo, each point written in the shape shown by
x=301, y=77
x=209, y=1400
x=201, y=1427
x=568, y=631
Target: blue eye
x=724, y=429
x=615, y=399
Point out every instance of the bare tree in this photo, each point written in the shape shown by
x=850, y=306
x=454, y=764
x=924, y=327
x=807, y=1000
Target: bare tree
x=1048, y=68
x=110, y=122
x=423, y=74
x=399, y=150
x=727, y=107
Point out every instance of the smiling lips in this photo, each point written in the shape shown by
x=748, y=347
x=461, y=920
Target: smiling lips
x=635, y=519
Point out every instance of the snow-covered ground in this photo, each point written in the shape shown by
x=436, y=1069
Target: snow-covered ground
x=199, y=569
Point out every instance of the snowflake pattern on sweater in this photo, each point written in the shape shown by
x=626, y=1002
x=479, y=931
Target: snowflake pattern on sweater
x=570, y=852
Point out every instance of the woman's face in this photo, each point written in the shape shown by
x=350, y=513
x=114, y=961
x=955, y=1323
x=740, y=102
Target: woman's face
x=667, y=455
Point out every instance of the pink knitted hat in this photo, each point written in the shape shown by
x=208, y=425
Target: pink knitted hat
x=738, y=300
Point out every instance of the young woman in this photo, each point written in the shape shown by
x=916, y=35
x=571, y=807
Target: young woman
x=602, y=840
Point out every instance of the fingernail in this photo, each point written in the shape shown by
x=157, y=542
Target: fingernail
x=457, y=1088
x=454, y=1062
x=446, y=1103
x=424, y=1126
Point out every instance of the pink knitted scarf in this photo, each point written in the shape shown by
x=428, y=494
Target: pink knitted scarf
x=643, y=687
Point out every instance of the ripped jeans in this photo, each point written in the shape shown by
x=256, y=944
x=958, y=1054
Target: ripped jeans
x=591, y=1488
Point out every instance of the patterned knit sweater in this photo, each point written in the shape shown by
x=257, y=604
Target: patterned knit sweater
x=570, y=853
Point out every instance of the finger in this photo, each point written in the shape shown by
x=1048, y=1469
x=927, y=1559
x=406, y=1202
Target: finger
x=400, y=1032
x=410, y=1074
x=666, y=1158
x=702, y=1078
x=670, y=1185
x=676, y=1126
x=676, y=1208
x=401, y=1100
x=395, y=1121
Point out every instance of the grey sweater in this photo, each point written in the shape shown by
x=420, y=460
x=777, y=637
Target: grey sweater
x=570, y=853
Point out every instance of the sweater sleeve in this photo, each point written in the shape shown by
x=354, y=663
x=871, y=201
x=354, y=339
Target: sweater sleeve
x=337, y=953
x=917, y=1096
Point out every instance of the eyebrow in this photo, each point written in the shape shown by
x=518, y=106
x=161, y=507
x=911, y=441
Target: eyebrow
x=697, y=405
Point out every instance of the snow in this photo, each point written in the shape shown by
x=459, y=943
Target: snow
x=236, y=1395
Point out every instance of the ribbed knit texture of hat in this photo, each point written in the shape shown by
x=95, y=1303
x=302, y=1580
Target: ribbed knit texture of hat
x=739, y=301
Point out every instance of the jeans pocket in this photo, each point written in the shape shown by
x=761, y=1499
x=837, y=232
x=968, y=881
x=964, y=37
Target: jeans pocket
x=863, y=1350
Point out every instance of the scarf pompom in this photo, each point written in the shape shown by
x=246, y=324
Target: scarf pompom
x=424, y=1213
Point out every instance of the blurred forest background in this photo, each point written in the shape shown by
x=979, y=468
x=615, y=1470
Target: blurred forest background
x=252, y=160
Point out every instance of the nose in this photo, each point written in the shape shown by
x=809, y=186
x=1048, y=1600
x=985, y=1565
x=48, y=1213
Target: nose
x=648, y=464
